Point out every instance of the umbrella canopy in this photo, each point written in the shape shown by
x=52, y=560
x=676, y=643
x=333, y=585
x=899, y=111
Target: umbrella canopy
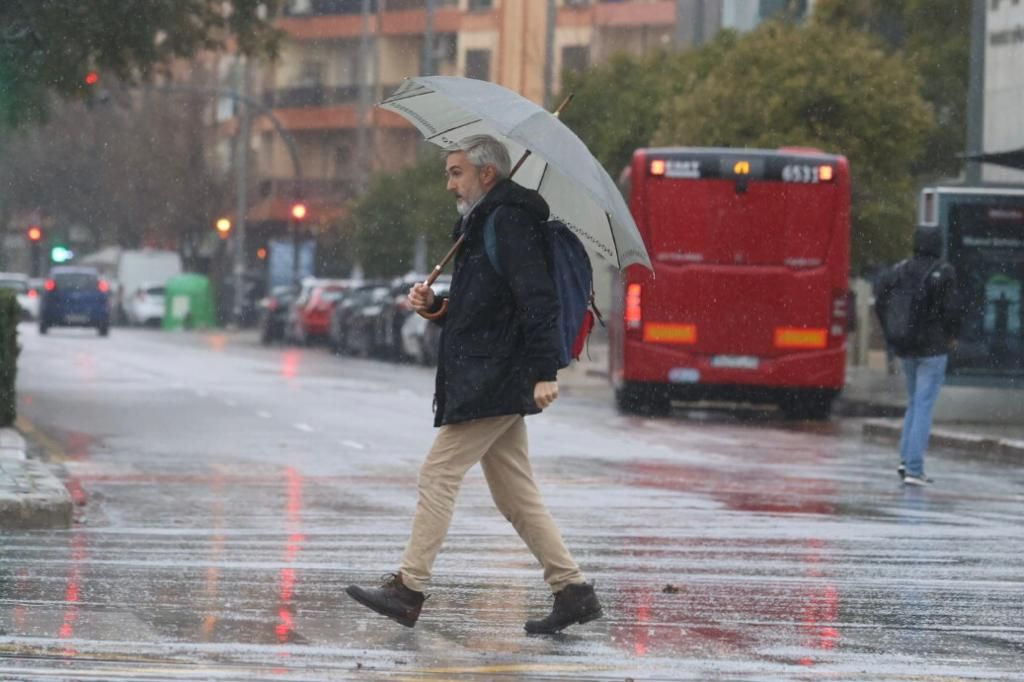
x=1013, y=158
x=579, y=191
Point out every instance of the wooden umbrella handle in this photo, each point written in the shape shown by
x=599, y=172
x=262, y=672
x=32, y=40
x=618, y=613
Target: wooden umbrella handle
x=435, y=273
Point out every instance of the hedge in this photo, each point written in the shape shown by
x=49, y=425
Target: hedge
x=10, y=315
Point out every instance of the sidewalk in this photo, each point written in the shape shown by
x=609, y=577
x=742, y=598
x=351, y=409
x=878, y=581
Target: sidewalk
x=31, y=497
x=985, y=421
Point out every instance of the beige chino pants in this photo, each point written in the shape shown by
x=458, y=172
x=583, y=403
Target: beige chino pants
x=499, y=444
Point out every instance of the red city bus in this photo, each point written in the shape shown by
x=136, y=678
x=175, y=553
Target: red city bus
x=749, y=297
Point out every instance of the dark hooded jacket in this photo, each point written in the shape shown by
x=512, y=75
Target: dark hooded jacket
x=500, y=334
x=942, y=318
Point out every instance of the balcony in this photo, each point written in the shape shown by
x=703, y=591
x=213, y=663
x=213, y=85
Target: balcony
x=321, y=8
x=310, y=96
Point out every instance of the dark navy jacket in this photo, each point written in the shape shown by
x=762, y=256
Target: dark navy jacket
x=500, y=333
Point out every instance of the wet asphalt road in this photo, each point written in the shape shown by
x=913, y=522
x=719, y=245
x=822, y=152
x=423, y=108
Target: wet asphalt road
x=229, y=493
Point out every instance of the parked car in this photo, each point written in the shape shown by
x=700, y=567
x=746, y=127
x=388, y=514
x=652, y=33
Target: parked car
x=273, y=313
x=420, y=338
x=311, y=312
x=395, y=311
x=75, y=297
x=350, y=301
x=349, y=311
x=134, y=268
x=146, y=305
x=28, y=299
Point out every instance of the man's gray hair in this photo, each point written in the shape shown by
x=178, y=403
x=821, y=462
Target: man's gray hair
x=484, y=150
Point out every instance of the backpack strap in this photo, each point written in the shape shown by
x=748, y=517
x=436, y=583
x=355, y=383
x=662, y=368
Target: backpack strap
x=491, y=241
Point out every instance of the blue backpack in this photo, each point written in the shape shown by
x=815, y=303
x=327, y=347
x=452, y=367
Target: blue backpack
x=574, y=283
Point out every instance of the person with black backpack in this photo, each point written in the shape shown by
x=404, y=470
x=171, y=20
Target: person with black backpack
x=916, y=303
x=499, y=356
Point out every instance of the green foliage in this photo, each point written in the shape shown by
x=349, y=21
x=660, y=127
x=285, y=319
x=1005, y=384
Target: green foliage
x=617, y=105
x=823, y=87
x=10, y=314
x=934, y=37
x=50, y=45
x=395, y=210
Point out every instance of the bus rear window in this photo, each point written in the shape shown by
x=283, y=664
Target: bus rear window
x=711, y=221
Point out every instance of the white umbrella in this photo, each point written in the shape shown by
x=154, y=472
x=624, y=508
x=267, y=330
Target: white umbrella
x=579, y=191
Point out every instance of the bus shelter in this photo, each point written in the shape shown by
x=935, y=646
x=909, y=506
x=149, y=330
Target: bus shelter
x=983, y=232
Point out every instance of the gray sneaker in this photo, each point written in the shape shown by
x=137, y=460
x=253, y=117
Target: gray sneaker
x=901, y=471
x=921, y=480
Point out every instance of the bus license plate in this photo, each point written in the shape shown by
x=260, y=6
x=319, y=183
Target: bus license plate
x=684, y=375
x=76, y=319
x=735, y=362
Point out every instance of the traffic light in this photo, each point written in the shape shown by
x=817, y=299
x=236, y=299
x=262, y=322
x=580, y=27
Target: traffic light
x=223, y=228
x=299, y=211
x=61, y=254
x=35, y=234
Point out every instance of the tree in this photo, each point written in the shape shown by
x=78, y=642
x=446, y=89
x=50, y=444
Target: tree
x=396, y=209
x=934, y=36
x=132, y=172
x=823, y=87
x=50, y=46
x=617, y=105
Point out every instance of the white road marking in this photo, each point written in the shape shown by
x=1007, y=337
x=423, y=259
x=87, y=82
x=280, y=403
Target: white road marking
x=353, y=444
x=201, y=393
x=264, y=414
x=230, y=403
x=303, y=427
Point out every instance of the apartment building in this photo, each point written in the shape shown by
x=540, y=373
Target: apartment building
x=340, y=57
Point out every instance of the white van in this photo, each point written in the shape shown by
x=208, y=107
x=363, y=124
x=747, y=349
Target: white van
x=142, y=269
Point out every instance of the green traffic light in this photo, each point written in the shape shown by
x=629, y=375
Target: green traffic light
x=61, y=254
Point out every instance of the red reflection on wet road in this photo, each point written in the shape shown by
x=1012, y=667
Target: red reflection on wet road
x=290, y=361
x=72, y=591
x=286, y=589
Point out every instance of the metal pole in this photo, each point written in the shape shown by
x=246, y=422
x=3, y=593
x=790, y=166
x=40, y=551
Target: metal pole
x=549, y=55
x=428, y=41
x=242, y=194
x=362, y=141
x=976, y=91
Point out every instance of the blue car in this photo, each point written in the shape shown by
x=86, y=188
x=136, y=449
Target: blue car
x=75, y=297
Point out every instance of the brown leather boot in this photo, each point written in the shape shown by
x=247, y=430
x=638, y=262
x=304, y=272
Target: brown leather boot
x=573, y=604
x=392, y=599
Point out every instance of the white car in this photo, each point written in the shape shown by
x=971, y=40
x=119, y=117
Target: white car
x=145, y=305
x=28, y=298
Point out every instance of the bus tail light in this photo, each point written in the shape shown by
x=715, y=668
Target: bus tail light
x=658, y=167
x=660, y=332
x=799, y=337
x=840, y=317
x=634, y=312
x=826, y=173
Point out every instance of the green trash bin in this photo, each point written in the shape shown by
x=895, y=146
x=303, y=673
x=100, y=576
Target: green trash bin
x=188, y=301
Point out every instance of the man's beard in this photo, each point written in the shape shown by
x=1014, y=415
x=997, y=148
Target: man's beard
x=464, y=205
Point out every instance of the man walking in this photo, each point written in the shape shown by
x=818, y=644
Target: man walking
x=917, y=304
x=498, y=361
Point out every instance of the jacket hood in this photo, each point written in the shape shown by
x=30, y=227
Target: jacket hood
x=927, y=241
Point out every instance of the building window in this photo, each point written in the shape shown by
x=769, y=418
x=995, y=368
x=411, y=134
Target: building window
x=475, y=5
x=478, y=64
x=575, y=58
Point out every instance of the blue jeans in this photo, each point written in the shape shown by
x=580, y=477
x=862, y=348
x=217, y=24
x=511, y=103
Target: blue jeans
x=924, y=379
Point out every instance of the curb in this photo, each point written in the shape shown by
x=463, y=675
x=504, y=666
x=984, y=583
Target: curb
x=1002, y=448
x=31, y=497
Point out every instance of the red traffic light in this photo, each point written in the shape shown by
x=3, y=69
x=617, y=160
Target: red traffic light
x=35, y=233
x=92, y=78
x=298, y=211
